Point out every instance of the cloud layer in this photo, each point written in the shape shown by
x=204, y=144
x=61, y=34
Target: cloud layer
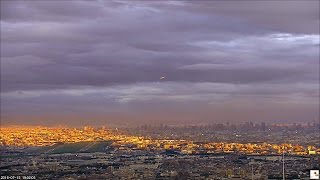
x=103, y=60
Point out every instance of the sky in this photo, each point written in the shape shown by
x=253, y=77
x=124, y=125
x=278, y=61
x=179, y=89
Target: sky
x=174, y=62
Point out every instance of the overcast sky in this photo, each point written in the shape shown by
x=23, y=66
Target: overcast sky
x=177, y=62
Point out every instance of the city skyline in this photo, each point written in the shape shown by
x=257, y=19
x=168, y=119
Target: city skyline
x=173, y=62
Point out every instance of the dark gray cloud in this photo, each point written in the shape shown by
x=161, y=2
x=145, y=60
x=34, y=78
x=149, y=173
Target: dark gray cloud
x=63, y=56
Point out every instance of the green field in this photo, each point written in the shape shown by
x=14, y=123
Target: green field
x=79, y=147
x=41, y=150
x=70, y=148
x=99, y=146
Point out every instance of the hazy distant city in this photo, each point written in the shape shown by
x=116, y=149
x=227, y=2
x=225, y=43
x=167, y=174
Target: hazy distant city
x=217, y=151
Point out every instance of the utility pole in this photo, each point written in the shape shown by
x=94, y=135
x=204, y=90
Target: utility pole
x=252, y=172
x=283, y=175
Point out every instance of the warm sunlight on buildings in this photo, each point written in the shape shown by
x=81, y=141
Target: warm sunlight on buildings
x=44, y=136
